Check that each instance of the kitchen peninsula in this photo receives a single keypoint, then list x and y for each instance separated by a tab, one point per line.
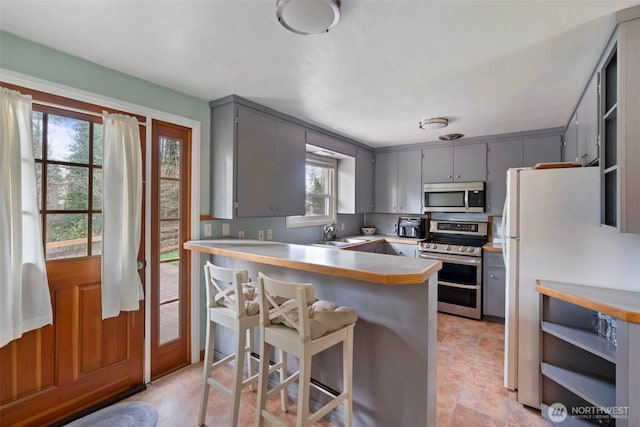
394	374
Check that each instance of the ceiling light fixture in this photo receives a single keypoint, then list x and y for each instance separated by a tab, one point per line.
308	16
450	136
433	123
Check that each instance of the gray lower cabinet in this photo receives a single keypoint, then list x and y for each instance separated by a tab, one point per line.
398	188
493	285
462	163
584	371
401	249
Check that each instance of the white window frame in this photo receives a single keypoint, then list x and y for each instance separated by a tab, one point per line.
308	221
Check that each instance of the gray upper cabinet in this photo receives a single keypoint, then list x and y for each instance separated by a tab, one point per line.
271	166
501	156
437	164
329	143
256	133
397	182
587	129
461	163
386	182
620	126
543	149
257	163
571	140
290	161
409	181
364	180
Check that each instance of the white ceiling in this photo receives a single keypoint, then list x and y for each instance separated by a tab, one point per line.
491	67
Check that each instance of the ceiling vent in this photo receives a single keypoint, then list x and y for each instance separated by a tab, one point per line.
450	136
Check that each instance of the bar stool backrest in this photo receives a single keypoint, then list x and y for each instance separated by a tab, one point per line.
286	303
224	287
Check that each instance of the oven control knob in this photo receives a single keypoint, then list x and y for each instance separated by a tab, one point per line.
470	249
448	247
462	249
434	246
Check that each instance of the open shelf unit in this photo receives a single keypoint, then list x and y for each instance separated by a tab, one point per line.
585	372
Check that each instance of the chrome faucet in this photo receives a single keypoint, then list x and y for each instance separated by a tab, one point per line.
329	232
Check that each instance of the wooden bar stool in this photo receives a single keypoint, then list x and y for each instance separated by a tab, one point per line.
232	304
290	320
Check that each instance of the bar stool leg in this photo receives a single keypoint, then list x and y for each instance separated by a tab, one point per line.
304	381
347	377
237	376
208	361
283	375
263	381
250	341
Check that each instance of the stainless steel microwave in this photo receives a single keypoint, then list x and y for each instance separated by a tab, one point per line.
455	197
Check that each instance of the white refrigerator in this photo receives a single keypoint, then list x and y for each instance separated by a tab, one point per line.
551	231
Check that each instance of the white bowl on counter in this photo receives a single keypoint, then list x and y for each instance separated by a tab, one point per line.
368	231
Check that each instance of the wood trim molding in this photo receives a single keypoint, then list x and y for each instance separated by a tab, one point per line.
621	304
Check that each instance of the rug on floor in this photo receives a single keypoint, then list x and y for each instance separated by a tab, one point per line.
128	414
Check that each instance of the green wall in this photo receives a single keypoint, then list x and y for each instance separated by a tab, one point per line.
36	60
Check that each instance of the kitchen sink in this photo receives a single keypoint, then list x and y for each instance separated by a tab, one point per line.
339	242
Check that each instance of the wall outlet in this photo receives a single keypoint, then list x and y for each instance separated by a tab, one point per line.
208	230
225	229
269	234
241	234
260	234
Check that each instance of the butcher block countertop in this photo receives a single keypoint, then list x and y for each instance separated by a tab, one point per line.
492	247
368	267
624	305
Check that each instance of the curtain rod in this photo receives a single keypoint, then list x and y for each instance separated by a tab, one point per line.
75	110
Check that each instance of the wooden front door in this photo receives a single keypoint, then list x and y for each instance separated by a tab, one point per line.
169	262
81	360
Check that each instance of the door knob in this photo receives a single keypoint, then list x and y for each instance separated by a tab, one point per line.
141	265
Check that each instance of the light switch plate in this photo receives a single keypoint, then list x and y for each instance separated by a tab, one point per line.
260	234
225	229
208	230
241	234
269	234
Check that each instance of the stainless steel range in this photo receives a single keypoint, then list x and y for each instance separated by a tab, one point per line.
458	244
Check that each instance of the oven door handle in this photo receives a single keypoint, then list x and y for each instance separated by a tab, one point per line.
453	259
458	285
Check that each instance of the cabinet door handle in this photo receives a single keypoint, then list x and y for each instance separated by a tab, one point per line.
457	176
492	276
448	176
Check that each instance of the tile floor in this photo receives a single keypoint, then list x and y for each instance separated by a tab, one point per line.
470	391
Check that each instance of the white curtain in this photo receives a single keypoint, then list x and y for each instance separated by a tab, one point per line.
25	302
122	215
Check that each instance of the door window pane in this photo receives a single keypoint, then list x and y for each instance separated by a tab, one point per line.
66	235
39	183
97	189
67	139
67	187
169	238
169	199
96	234
36	134
97	143
169	322
169	158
